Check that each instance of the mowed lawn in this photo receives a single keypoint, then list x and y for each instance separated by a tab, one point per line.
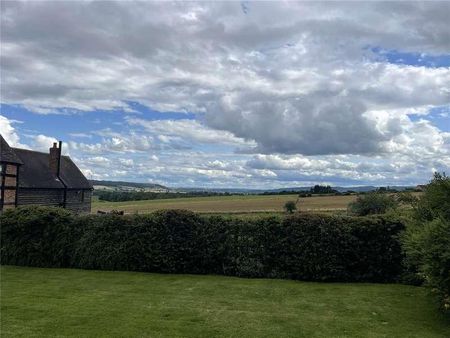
61	302
230	204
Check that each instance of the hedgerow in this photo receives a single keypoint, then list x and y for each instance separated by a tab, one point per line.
37	236
300	246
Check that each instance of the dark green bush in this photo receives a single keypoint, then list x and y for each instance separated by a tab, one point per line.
429	249
303	246
336	248
426	241
372	203
435	201
378	255
164	241
252	247
290	207
37	236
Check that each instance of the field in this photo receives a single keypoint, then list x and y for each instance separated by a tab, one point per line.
59	302
230	204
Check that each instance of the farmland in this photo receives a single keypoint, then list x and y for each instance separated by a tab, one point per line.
76	303
230	204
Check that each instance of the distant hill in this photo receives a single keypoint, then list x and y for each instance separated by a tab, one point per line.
299	189
364	188
152	187
128	186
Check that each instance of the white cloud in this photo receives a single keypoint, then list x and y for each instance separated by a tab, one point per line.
187	130
80	135
255	77
43	143
118	143
98	161
9	133
280	80
126	162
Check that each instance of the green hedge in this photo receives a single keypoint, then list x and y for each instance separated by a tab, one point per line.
426	242
36	236
301	246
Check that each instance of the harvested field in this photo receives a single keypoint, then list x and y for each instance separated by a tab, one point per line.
230	204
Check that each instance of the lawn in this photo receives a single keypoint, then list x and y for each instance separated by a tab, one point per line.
59	302
230	204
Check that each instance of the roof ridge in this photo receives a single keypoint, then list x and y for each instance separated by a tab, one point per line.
7	154
34	151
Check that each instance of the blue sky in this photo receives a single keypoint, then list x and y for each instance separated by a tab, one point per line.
412	59
265	95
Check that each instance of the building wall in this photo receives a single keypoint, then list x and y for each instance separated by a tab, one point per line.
11	169
79	201
8	185
45	197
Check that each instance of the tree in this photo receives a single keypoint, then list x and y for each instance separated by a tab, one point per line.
435	201
406	198
322	189
426	242
290	206
372	203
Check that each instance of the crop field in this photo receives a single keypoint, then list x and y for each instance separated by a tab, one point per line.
230	204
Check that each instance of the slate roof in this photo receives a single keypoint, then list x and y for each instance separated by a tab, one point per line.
71	175
7	154
35	172
34	169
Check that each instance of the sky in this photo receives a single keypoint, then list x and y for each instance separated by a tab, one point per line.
231	94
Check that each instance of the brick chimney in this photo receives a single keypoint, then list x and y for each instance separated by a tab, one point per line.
55	158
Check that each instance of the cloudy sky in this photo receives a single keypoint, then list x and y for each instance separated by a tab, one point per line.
232	94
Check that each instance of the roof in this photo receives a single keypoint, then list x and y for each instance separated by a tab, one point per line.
35	172
7	154
71	175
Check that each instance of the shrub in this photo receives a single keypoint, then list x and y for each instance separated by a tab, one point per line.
37	236
336	248
378	254
301	246
253	247
164	241
429	249
290	207
435	201
435	262
372	203
426	242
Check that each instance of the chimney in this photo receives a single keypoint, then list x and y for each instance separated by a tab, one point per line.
55	158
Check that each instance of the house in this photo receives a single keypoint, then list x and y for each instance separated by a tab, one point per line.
34	178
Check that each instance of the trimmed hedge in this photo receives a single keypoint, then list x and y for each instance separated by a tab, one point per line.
301	246
37	236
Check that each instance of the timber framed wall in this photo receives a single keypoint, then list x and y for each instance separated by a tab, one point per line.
9	176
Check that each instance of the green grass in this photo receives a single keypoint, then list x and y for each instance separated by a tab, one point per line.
59	302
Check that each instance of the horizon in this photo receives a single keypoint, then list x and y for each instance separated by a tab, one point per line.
232	95
262	189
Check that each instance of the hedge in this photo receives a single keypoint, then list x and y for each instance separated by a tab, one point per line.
301	246
37	236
